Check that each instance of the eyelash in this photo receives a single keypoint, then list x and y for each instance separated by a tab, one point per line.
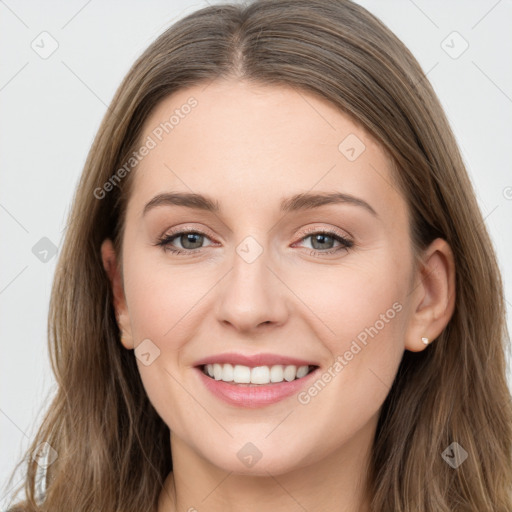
166	240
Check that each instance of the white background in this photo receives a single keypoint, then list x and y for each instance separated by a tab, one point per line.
51	109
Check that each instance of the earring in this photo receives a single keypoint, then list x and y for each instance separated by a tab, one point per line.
425	341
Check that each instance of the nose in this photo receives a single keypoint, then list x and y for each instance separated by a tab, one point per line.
251	295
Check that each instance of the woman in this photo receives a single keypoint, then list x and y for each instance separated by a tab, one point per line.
210	353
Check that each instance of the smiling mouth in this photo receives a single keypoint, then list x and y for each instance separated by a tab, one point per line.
257	375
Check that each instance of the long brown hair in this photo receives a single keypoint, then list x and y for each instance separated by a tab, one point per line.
113	448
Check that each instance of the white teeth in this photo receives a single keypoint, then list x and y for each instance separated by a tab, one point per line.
242	374
302	371
217	371
276	373
227	373
256	375
290	372
260	375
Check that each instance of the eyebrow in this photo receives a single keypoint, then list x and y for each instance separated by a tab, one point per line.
298	202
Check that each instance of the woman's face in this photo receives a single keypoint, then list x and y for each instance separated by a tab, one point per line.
266	273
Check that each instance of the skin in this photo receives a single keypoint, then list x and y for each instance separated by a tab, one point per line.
249	146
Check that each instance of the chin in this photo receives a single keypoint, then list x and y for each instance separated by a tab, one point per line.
248	459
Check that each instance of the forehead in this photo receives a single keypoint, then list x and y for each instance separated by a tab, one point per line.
242	143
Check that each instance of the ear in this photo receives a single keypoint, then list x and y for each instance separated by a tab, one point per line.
112	267
433	295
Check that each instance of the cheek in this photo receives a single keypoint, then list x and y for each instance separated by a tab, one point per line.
360	317
163	299
364	313
166	303
346	299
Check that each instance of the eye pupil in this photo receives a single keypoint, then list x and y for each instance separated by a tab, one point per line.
189	237
320	238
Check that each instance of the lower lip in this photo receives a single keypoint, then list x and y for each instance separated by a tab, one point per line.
254	395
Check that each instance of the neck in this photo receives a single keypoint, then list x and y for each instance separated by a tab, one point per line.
335	482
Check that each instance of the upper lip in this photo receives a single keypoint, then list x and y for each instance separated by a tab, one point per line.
263	359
